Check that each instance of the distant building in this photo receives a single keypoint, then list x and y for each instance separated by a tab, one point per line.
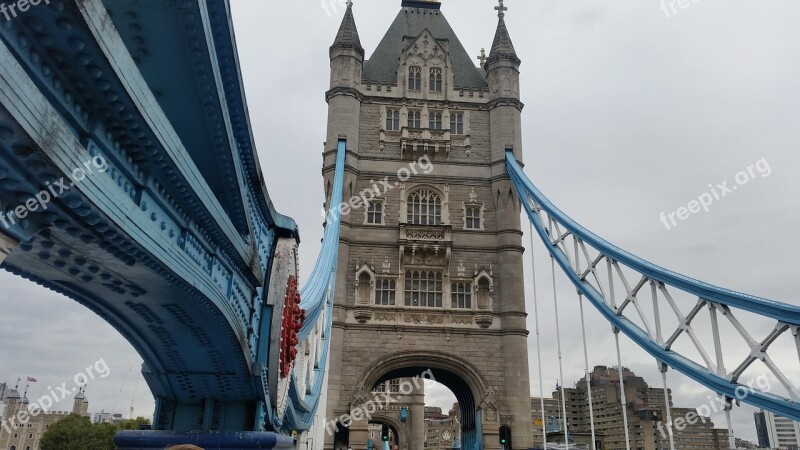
405	414
552	421
777	432
744	444
443	433
645	407
15	435
434	413
106	417
3	396
761	429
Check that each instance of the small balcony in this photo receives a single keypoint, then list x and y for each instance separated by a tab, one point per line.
429	246
423	141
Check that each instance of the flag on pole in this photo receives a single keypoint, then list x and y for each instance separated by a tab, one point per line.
32	380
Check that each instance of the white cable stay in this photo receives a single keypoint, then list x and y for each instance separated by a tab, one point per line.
538	339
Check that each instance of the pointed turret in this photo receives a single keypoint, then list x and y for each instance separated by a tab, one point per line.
502	47
502	67
347	63
347	37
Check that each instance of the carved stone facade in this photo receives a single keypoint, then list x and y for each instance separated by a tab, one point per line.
435	282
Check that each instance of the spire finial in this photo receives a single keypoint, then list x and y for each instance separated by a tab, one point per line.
482	57
501	10
349	3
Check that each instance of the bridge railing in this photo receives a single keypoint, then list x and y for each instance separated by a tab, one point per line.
660	310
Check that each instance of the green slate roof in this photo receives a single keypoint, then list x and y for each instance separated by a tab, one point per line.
411	22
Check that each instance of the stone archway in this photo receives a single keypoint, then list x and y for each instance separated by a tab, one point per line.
394	424
474	395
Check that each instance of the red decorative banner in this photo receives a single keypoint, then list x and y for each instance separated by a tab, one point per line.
293	319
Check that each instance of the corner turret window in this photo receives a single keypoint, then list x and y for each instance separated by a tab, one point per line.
424	288
457	123
435	121
436	80
414	119
415	78
424	208
392	120
461	295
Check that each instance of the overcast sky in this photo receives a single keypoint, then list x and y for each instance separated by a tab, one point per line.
629	113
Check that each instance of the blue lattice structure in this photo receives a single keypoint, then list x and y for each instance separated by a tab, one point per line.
637	298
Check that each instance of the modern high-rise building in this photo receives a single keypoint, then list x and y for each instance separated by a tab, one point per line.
777	432
431	246
645	407
107	417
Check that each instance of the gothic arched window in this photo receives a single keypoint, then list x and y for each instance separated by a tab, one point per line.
483	292
435	121
414	119
415	78
435	81
392	120
424	208
457	123
364	292
424	288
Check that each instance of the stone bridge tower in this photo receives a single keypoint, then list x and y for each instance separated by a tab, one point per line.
430	268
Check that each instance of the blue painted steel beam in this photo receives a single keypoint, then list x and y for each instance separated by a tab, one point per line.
159	440
318	295
783	312
776	310
146	244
